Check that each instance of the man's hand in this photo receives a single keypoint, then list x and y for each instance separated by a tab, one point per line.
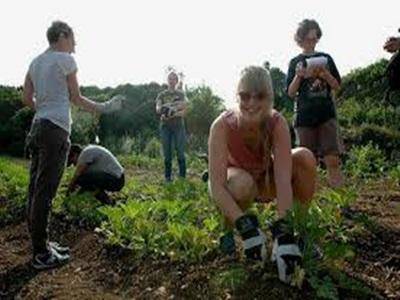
392	44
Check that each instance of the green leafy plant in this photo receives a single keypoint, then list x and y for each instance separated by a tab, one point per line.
366	161
179	224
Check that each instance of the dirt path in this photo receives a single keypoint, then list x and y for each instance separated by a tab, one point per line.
84	278
378	246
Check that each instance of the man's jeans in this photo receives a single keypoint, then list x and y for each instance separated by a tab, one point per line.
173	135
48	145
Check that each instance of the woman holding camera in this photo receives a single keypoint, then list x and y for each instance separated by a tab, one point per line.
311	79
171	106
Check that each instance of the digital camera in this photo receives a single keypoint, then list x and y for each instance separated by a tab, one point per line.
167	111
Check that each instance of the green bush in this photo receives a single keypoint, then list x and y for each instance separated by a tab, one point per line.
386	139
366	161
13	189
153	148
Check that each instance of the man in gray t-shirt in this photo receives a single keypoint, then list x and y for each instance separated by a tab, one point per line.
97	170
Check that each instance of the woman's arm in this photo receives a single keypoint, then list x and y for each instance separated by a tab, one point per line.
218	165
294	85
27	95
282	166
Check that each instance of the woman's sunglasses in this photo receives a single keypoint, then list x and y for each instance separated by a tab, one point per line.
246	96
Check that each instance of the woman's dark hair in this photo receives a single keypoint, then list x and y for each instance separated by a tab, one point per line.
304	28
57	29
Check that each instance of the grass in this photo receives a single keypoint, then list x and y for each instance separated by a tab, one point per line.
13	188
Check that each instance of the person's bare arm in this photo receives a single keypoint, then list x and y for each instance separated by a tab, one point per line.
27	95
80	169
282	166
218	165
79	100
295	84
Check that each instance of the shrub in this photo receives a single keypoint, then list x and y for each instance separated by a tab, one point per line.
366	161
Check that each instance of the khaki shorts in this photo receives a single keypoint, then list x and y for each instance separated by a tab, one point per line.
321	140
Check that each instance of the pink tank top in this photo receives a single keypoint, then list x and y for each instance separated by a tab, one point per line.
240	156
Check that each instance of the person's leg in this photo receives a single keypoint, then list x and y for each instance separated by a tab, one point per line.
97	183
335	177
331	148
113	183
242	188
32	174
180	140
304	174
166	141
304	177
53	146
90	181
307	137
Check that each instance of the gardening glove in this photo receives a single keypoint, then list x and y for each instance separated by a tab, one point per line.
254	240
227	243
112	105
285	251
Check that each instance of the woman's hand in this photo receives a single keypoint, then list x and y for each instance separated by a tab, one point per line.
326	75
300	70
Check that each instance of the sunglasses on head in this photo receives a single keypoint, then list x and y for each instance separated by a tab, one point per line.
246	96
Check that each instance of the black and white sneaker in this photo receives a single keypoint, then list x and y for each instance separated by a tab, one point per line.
49	260
63	250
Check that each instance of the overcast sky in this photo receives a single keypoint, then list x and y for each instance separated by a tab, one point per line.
209	40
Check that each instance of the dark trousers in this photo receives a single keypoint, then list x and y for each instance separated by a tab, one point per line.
173	136
48	145
101	181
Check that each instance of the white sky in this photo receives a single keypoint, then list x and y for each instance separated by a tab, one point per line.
209	40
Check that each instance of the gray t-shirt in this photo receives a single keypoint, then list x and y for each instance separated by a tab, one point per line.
49	73
100	159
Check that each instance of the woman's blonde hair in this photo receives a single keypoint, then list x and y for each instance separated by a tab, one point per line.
257	79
